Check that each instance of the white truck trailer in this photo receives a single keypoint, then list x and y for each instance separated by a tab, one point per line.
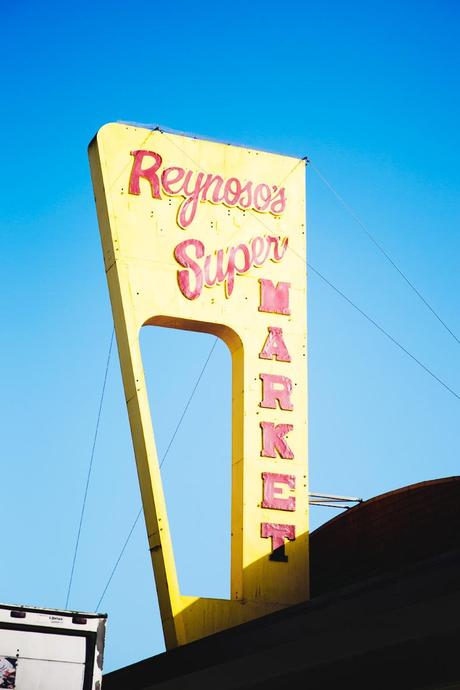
45	649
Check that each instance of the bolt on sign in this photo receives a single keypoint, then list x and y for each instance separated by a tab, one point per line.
209	237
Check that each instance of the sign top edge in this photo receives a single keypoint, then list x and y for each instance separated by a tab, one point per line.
198	137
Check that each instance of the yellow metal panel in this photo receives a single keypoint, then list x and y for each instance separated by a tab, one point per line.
230	205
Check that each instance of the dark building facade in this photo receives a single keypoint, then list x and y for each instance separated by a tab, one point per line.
384	612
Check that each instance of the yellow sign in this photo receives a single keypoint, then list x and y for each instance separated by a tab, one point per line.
210	237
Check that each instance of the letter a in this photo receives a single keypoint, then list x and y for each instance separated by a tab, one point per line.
275	346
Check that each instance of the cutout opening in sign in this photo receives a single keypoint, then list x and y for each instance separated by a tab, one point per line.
189	383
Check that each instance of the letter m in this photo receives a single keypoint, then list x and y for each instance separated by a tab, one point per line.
274	300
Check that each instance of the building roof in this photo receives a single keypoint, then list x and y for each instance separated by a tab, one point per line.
385	610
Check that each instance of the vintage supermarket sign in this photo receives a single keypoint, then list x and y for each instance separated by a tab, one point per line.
210	237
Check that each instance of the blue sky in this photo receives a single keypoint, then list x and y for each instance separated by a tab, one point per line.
370	92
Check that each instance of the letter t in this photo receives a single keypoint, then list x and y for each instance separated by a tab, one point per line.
278	534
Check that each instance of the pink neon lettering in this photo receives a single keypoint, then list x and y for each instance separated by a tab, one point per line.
209	280
217	181
228	275
149	174
277	253
247	259
195	187
183	277
274	300
279	202
232	191
275	346
272	491
222	267
262	197
245	200
276	389
278	533
273	439
260	250
187	209
171	176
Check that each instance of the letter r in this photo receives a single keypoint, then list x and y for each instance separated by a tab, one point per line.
149	174
275	389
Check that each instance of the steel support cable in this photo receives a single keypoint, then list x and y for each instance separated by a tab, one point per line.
165	455
90	467
382	250
354	215
366	316
120	556
358	220
312	502
355	306
382	330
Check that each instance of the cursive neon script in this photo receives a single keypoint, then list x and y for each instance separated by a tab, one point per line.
196	187
221	267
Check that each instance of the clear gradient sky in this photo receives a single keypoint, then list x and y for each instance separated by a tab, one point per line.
370	92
